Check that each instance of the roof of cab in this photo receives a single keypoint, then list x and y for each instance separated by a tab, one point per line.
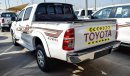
127	4
50	3
55	3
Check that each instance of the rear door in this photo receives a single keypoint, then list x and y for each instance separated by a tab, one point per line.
122	14
93	33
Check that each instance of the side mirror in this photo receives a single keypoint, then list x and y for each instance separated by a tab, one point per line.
18	19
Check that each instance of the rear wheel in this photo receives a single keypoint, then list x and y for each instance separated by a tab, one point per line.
2	29
9	27
42	60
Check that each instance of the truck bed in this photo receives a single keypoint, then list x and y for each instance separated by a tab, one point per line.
76	21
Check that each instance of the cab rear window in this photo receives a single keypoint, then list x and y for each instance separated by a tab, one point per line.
59	10
54	13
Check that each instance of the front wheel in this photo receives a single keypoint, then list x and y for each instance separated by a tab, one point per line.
42	60
14	39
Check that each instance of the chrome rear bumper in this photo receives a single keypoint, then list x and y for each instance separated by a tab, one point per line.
92	53
125	44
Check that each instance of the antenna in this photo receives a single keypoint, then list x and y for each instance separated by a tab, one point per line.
86	8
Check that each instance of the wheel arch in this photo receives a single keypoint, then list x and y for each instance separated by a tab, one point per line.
38	38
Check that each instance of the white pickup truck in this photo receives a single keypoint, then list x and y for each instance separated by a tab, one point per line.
53	31
6	19
81	13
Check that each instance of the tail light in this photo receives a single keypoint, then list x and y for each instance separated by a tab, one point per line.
68	41
3	20
117	26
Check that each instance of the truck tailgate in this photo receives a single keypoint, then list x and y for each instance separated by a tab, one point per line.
92	33
6	20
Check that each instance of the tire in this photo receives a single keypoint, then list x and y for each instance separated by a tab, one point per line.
14	39
9	27
2	29
42	60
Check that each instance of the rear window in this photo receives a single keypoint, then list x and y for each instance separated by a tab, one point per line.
59	10
51	10
67	10
8	15
83	13
54	13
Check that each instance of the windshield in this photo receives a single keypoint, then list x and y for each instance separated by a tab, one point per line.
76	13
56	12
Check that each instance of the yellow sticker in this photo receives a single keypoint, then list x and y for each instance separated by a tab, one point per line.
97	41
99	28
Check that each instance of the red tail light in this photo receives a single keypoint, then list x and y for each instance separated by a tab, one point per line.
68	41
3	20
117	26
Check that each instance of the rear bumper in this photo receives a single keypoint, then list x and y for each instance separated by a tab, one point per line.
125	44
92	53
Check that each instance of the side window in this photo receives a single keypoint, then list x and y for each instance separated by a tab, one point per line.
104	13
83	13
27	13
20	16
122	12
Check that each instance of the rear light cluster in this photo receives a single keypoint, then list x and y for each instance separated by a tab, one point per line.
68	41
3	20
117	26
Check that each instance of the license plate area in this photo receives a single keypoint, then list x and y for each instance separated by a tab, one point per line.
102	53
